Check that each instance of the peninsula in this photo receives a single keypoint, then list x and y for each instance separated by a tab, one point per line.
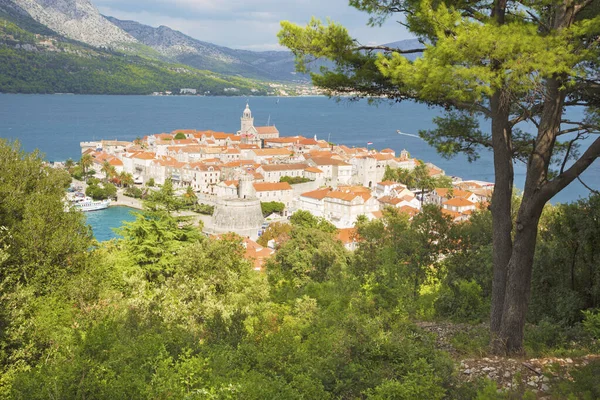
235	172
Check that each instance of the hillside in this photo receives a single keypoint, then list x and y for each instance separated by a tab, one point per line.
76	19
40	61
176	46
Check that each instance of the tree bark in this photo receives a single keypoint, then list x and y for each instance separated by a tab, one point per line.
518	286
501	206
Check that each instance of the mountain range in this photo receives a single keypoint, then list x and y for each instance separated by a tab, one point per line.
90	34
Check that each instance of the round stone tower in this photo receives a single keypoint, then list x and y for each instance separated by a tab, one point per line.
241	216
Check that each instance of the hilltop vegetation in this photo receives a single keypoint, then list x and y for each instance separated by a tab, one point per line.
168	313
46	63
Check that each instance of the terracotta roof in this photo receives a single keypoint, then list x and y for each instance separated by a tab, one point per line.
453	214
263	130
408	210
387	151
347	235
309	142
443	192
143	155
390	200
313	170
248	146
383	157
345	196
272	152
434	171
115	162
377	214
231	183
328	161
458	202
389	183
318	194
269	187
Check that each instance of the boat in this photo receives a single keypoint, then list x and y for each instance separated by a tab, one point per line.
88	204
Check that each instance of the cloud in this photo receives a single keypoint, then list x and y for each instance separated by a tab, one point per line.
246	24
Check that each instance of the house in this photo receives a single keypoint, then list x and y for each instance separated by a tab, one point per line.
274	172
440	195
313	201
256	254
280	191
385	188
262	155
226	189
343	207
460	205
314	174
336	172
349	237
204	176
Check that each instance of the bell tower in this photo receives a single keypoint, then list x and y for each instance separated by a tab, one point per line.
247	121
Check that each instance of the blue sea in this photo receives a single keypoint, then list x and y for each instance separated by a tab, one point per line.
55	124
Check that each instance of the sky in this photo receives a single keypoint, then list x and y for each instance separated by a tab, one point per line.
248	24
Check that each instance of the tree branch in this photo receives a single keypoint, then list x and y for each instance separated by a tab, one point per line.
390	49
561	181
564	163
587	187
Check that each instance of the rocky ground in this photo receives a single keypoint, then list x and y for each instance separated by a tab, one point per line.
536	375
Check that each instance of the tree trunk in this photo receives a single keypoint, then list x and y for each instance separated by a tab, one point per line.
501	206
518	281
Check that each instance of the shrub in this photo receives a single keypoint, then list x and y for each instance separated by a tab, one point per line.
271	207
204	209
150	182
134	192
591	323
294	180
462	301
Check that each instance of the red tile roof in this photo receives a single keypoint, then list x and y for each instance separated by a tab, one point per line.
269	187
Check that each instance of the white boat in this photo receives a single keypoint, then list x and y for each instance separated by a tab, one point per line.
88	204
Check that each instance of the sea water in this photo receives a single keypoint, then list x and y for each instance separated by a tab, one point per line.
55	124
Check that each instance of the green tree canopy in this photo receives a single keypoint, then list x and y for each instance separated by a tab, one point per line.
521	65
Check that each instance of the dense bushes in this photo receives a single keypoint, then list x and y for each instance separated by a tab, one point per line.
101	191
166	312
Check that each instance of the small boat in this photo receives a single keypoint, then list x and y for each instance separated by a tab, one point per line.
88	204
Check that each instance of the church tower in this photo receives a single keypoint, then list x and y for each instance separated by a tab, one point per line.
247	121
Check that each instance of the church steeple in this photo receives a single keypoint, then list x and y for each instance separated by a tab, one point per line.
247	121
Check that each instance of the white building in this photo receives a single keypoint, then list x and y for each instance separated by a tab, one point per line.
280	191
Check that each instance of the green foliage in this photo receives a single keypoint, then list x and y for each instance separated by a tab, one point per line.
44	242
583	383
418	178
591	323
566	274
101	191
204	209
134	192
304	219
279	231
462	301
150	182
179	136
294	180
271	207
